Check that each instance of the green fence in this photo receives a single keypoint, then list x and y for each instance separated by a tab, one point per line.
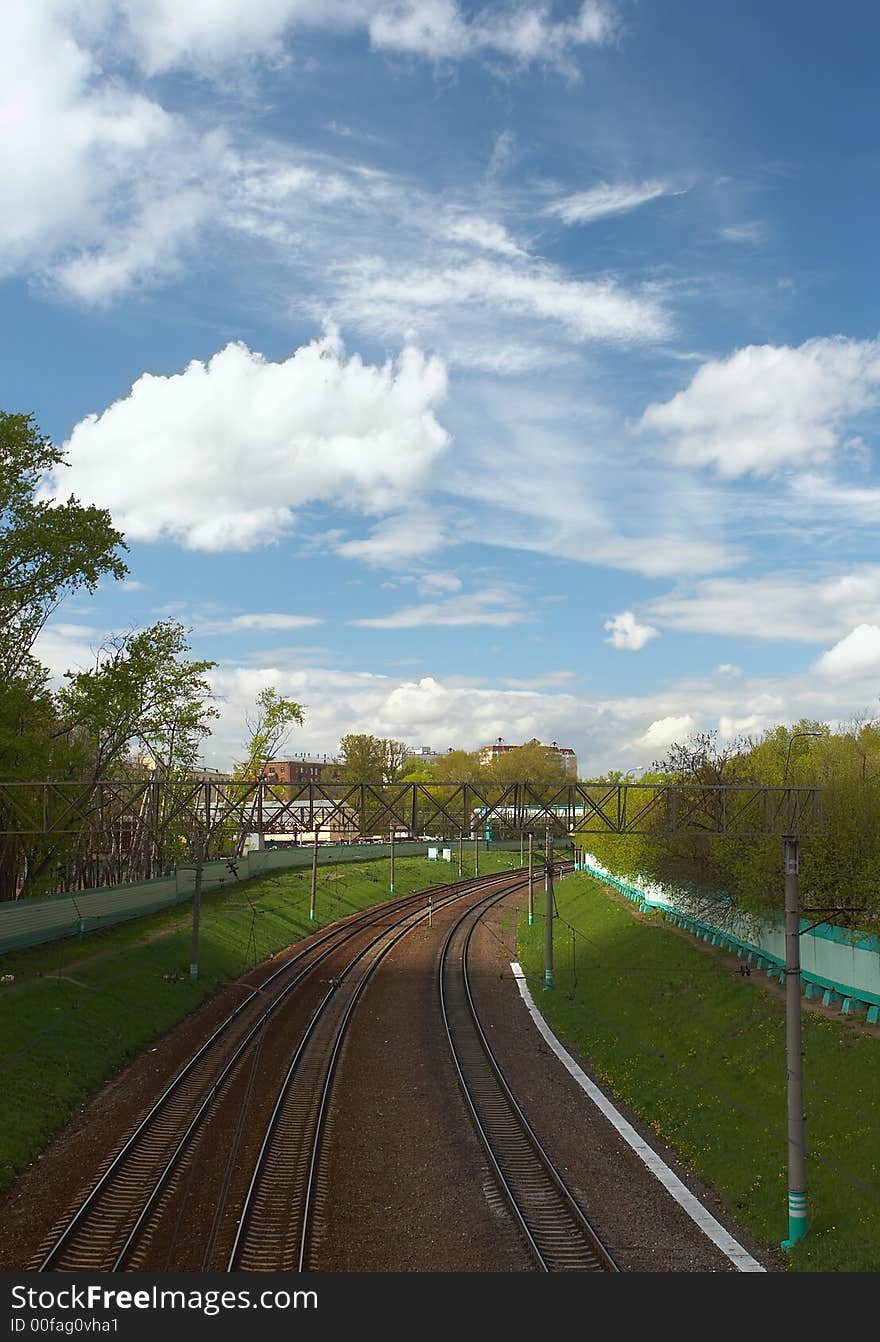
28	922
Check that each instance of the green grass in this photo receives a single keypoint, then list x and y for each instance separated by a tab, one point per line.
78	1010
699	1054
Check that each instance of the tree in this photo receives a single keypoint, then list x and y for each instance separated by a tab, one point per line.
371	759
47	549
458	766
361	759
532	763
141	711
269	726
142	695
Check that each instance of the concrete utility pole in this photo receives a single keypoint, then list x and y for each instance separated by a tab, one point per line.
392	859
460	849
314	894
199	854
797	1167
548	931
531	884
476	853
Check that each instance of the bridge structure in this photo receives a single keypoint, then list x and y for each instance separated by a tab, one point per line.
138	815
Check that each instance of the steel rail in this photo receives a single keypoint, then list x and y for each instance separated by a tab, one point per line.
554	1225
294	1134
325	944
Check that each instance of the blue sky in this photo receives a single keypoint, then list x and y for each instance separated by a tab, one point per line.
463	370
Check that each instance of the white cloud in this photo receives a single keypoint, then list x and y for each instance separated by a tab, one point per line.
667	731
431	583
115	169
410	535
165	34
769	407
485	234
858	654
729	670
753	233
438	29
219	456
237	624
62	647
786	606
392	300
626	633
494	606
606	733
583	207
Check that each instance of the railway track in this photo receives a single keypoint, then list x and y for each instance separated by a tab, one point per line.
276	1223
112	1227
558	1234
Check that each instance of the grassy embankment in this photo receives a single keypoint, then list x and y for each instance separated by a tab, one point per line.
698	1052
78	1010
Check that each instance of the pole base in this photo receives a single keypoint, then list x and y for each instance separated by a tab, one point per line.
797	1220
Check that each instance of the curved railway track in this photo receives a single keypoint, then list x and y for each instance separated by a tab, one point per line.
276	1223
558	1234
110	1227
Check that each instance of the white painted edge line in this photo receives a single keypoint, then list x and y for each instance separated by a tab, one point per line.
731	1248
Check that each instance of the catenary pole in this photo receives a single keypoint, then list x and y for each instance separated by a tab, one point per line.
797	1168
199	855
531	883
314	893
548	930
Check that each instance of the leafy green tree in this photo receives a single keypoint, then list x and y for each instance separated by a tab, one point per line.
269	727
142	697
532	763
48	549
459	766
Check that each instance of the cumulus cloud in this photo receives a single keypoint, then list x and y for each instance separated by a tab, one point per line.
667	731
220	456
605	732
116	184
858	654
769	407
626	632
584	207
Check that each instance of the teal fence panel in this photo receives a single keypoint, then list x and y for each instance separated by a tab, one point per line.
30	922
